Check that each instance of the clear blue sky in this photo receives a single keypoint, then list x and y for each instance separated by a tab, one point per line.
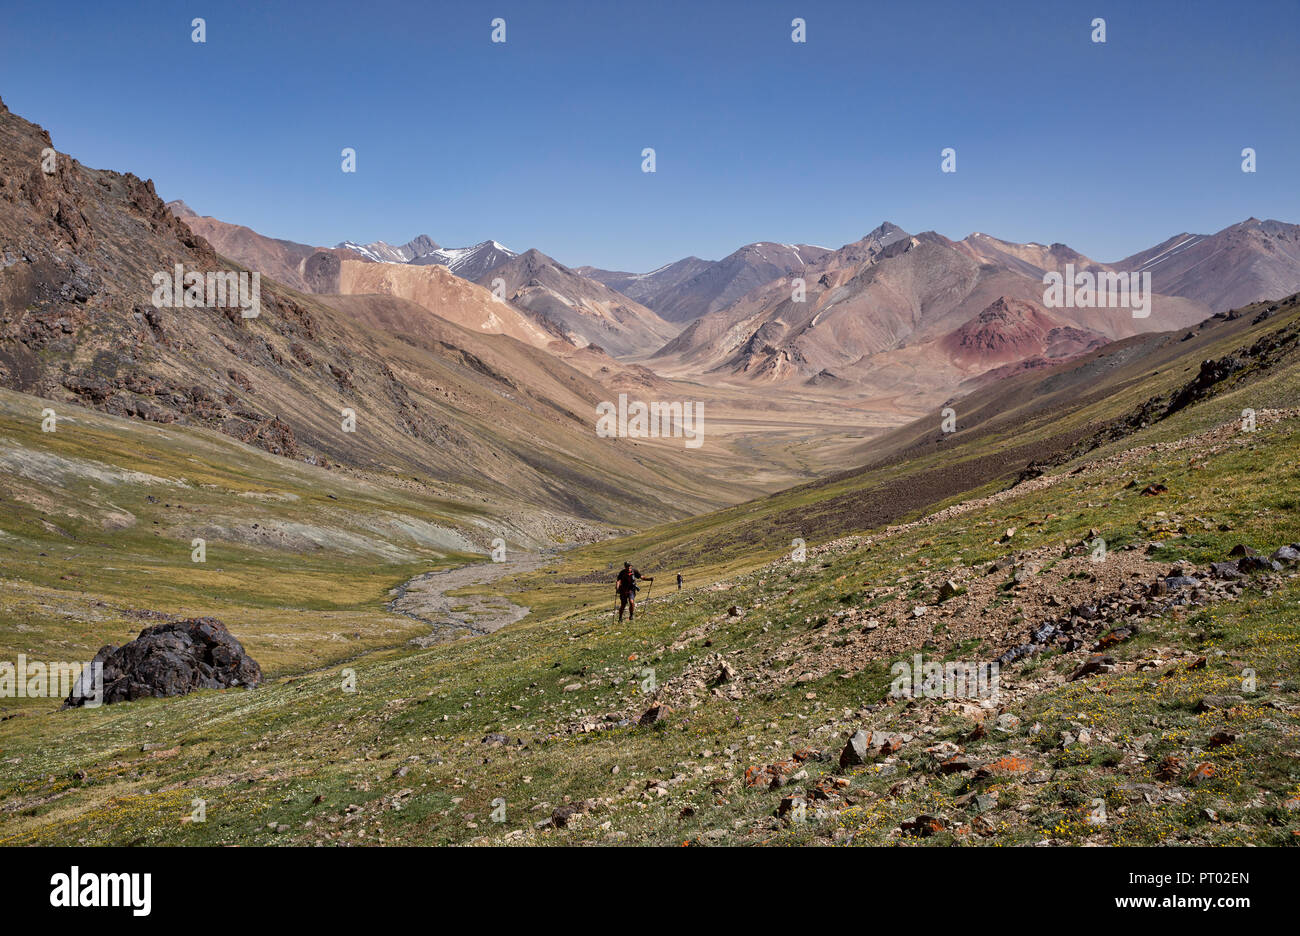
536	143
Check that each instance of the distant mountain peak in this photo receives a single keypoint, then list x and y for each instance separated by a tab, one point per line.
421	244
384	252
886	228
469	263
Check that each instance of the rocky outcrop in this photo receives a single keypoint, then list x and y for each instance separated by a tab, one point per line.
170	659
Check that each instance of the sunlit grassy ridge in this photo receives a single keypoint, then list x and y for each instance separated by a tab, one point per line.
403	759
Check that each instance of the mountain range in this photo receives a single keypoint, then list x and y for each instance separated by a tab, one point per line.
895	312
470	412
889	313
412	251
894	321
471	263
311	451
690	288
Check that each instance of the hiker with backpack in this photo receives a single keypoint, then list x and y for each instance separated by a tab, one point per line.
626	588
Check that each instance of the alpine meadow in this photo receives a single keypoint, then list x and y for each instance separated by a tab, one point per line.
318	531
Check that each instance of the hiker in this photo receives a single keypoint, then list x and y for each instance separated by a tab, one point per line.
626	588
679	581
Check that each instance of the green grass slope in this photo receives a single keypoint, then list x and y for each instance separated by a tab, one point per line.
530	735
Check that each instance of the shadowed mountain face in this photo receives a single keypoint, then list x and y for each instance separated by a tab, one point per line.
470	263
645	288
82	323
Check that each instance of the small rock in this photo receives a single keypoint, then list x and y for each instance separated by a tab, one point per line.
1097	663
563	815
1221	739
958	763
857	750
1024	573
1212	703
654	714
1288	554
1007	722
1169	768
1249	564
923	826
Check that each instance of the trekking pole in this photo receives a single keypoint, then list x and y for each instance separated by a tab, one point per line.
648	590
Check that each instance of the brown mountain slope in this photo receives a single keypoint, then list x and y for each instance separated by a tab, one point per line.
645	287
689	288
301	266
582	310
373	269
443	293
1012	331
887	313
546	301
1248	262
1032	260
502	424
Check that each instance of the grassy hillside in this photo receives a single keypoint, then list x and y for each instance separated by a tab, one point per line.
98	518
764	666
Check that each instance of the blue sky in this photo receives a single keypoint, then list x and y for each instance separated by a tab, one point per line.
537	142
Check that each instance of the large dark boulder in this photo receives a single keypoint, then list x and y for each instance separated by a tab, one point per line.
171	659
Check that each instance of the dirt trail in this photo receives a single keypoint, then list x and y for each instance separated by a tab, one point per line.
425	598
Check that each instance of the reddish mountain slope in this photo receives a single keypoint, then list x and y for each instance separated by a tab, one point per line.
1015	330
